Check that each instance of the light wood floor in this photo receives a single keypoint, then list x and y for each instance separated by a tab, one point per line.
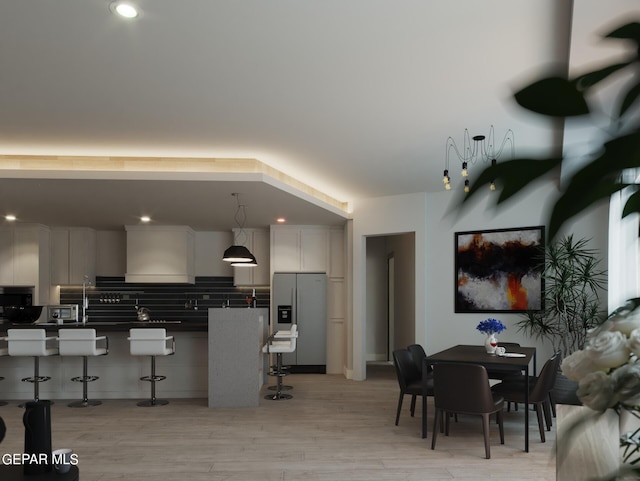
332	430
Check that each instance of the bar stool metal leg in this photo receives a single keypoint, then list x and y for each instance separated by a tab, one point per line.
36	379
152	379
84	379
284	387
278	395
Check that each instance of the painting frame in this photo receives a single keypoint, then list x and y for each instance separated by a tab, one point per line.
498	270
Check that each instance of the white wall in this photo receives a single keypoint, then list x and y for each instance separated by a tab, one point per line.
403	248
434	220
384	216
443	327
376	298
209	249
111	253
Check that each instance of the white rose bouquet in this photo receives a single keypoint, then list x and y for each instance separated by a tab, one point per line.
607	371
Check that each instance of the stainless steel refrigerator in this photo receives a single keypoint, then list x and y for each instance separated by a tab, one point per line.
301	298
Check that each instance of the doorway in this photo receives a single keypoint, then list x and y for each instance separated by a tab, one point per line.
389	295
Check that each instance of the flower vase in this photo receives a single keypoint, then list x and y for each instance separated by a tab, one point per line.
490	344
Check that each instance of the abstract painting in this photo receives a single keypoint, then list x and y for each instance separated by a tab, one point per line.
497	270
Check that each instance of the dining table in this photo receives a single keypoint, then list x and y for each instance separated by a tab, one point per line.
519	357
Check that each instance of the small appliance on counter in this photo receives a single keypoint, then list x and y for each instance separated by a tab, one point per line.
62	313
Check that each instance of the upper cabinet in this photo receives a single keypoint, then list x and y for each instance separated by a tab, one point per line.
257	241
307	249
73	255
24	259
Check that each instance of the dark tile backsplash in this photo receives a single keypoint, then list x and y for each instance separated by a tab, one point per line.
111	299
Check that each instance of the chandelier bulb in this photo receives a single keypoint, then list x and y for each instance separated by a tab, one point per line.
466	186
465	172
445	178
447	186
492	186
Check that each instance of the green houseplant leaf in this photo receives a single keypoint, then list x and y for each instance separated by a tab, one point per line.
553	96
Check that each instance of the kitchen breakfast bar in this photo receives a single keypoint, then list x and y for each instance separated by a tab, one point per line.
219	359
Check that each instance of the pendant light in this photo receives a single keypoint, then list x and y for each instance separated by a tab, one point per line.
237	254
478	148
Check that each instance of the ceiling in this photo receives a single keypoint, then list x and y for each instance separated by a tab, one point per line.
353	98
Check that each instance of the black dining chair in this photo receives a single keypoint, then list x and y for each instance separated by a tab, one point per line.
419	356
464	388
412	381
513	390
501	373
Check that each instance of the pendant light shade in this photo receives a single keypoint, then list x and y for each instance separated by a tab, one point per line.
237	254
251	263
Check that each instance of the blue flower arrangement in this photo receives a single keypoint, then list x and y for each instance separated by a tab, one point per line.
491	326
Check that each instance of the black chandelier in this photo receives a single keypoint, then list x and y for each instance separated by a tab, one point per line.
475	149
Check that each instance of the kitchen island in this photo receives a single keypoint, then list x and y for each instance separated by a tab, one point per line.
119	371
236	362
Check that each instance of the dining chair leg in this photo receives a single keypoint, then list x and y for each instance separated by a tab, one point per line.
436	417
447	420
500	417
553	404
485	431
539	414
399	407
413	404
546	406
424	417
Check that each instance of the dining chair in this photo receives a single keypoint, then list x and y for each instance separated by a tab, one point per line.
418	355
412	381
539	392
464	388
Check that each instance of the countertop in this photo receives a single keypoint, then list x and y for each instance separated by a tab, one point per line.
113	326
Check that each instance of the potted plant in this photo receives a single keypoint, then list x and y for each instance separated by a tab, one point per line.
571	305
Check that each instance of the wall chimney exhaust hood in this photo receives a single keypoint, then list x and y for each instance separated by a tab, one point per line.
160	254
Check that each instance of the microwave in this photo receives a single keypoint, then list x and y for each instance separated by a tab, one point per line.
63	313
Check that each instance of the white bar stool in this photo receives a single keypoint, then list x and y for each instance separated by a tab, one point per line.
82	342
283	335
279	344
151	342
4	351
32	342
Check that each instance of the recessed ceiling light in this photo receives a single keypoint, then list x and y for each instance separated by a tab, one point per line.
281	220
145	218
125	9
10	217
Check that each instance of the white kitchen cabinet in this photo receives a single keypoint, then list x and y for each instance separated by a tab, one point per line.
257	241
25	259
285	249
73	255
299	248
